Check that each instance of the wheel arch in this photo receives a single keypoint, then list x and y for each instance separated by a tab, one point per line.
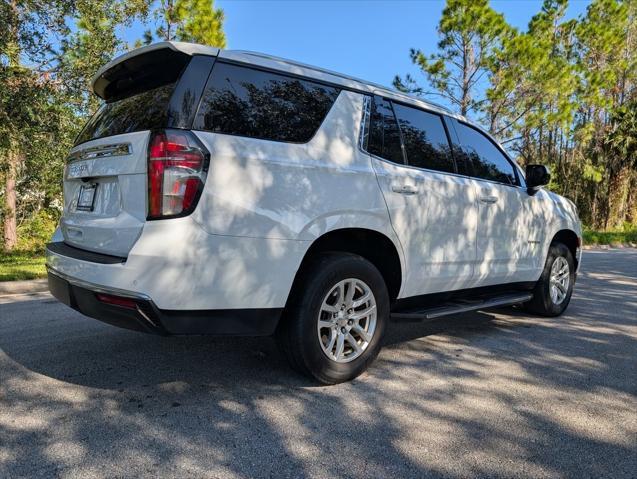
372	245
570	239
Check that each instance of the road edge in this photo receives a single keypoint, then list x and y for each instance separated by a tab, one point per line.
24	287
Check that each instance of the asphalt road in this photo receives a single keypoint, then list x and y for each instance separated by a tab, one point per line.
497	394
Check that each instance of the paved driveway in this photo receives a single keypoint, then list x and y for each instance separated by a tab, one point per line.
497	394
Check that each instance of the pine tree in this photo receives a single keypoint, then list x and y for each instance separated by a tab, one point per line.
196	21
469	30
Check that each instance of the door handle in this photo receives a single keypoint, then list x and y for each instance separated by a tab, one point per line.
404	189
488	199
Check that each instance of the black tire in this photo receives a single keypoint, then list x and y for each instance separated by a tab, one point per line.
297	333
542	303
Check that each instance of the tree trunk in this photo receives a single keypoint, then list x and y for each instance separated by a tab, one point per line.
10	230
618	186
631	208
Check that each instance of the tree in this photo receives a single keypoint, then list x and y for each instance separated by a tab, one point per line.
44	93
532	82
196	21
93	44
24	89
562	93
607	61
469	31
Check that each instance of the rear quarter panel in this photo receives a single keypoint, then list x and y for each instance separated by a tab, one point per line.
266	189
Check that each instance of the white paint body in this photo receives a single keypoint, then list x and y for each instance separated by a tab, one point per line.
265	203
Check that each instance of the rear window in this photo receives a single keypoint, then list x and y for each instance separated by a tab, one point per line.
143	111
258	104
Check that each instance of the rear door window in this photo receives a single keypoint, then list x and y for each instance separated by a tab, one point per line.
425	139
248	102
485	158
384	135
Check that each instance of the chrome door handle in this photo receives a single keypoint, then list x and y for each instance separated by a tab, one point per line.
404	189
488	199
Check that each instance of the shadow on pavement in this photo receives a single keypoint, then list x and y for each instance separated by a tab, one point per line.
495	394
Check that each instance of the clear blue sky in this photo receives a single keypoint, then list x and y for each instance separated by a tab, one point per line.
366	39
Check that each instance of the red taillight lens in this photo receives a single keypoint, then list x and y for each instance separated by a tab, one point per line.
177	168
117	301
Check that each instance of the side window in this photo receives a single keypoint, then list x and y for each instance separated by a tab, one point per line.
425	139
384	136
487	160
247	102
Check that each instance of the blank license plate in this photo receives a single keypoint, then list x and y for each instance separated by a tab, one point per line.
87	197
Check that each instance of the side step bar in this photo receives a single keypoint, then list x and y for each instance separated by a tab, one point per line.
460	306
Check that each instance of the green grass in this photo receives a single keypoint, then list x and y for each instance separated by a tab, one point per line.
20	265
610	237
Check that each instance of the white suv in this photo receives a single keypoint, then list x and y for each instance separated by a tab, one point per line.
228	192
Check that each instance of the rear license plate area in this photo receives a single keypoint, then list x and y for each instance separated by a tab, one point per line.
86	197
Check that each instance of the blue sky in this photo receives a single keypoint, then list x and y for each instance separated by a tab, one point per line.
366	39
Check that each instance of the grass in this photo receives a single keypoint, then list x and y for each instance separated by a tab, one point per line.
610	237
19	265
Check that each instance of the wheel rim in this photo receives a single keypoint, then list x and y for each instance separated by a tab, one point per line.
560	278
347	320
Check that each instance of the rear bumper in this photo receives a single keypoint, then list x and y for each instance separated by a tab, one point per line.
145	316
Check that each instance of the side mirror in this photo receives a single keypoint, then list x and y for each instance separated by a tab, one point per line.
536	176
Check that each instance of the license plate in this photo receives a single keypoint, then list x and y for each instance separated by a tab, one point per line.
87	197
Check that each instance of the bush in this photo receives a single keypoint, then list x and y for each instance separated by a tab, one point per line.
36	232
626	234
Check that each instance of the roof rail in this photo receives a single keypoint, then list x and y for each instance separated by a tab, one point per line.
305	65
343	76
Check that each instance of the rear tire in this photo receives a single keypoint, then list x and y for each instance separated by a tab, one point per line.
335	319
553	290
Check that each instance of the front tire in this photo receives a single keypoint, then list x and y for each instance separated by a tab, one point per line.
335	319
553	291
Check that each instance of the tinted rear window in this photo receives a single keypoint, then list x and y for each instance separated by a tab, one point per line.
143	111
247	102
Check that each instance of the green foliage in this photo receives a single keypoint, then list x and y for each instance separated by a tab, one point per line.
621	141
622	236
200	22
469	32
562	93
196	21
93	44
45	73
37	230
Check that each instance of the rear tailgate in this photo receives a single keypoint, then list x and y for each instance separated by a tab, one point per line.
111	175
105	178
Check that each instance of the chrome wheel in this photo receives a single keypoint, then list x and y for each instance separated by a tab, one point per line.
347	320
559	280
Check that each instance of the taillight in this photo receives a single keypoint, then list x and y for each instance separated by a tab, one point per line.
117	300
177	168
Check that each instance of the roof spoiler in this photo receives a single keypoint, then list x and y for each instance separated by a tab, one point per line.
154	64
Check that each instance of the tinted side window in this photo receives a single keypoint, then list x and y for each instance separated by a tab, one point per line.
247	102
487	160
384	136
425	139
